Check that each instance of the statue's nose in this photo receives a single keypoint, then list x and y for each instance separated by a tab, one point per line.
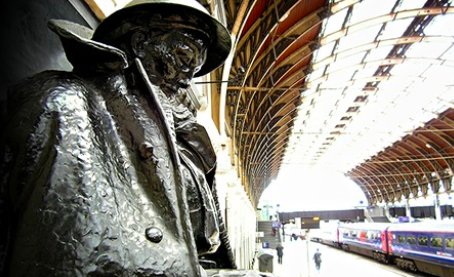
185	55
187	58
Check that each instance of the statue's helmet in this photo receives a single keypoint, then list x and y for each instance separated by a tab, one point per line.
171	13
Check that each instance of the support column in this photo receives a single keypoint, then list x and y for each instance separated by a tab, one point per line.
407	208
438	215
387	210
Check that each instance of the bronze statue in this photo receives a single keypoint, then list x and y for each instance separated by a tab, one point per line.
105	172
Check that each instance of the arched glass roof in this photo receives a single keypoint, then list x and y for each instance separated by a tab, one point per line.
358	87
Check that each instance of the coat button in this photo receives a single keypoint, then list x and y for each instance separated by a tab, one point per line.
153	234
146	150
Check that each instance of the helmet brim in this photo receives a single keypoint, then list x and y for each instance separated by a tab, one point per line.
220	45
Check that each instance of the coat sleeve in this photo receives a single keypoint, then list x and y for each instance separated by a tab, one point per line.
28	150
30	135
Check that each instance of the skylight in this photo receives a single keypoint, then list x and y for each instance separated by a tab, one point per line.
402	65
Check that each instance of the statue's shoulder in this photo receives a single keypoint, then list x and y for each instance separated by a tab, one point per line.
45	78
43	84
43	93
32	98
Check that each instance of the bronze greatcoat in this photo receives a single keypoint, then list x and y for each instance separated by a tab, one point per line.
99	181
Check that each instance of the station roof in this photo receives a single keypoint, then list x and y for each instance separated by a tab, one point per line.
359	87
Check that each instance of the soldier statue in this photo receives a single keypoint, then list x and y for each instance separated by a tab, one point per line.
105	171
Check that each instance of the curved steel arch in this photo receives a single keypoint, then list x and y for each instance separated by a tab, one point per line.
304	41
250	110
408	172
428	11
381	179
286	118
382	43
414	144
367	185
387	168
258	106
381	171
263	102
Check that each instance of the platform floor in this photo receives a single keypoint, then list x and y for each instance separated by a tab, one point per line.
335	262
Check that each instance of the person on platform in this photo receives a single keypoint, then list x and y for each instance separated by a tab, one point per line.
280	252
317	259
105	170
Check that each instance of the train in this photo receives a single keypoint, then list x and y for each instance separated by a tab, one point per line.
426	247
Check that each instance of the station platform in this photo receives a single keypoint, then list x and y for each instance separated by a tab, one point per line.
335	262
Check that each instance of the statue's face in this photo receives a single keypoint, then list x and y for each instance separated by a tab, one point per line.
175	56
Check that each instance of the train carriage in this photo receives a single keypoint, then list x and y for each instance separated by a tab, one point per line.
369	239
426	247
423	246
328	235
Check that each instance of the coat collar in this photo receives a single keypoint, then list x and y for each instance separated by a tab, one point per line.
82	51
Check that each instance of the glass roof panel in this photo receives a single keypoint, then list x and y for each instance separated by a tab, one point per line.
440	74
396	84
449	54
409	69
436	106
441	26
366	10
396	93
446	96
338	77
358	38
346	63
336	22
324	51
410	5
316	74
378	53
427	49
395	29
365	72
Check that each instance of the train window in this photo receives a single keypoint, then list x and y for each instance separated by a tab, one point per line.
411	240
423	241
376	235
401	239
436	242
450	243
362	235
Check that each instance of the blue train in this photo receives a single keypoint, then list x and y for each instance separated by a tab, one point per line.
426	247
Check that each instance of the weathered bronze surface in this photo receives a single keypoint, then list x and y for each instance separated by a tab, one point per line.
104	171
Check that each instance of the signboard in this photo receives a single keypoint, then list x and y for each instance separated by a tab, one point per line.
310	222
